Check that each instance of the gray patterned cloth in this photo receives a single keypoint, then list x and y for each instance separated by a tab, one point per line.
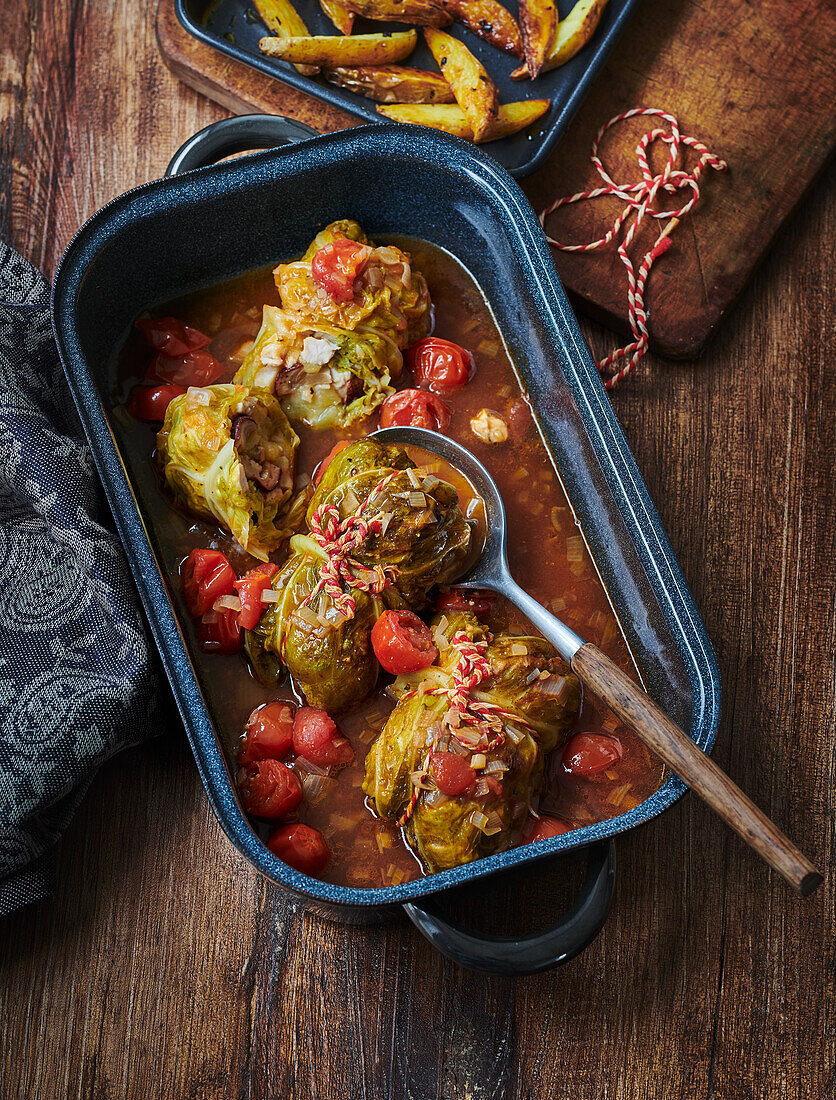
78	681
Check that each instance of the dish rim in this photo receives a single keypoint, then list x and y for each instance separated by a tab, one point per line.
612	451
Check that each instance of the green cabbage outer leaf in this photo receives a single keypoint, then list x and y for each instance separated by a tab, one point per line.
371	356
333	663
403	311
428	545
202	467
440	829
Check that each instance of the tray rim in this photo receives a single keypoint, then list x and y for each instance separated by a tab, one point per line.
354	104
623	477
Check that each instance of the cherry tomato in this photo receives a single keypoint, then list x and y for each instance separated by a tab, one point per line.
219	632
301	847
416	409
204	576
329	458
151	402
171	336
477	601
194	368
440	364
316	737
335	267
544	827
402	643
269	789
452	773
250	588
268	734
590	754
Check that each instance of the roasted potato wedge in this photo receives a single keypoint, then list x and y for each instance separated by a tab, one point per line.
425	13
489	20
392	84
572	35
336	51
450	118
280	17
538	23
341	16
474	90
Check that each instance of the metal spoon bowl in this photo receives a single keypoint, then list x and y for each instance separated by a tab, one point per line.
606	680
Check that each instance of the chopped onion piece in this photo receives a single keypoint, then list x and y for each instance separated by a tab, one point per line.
351	502
518	650
414	480
315	787
480	787
270	595
514	734
302	764
308	616
429	483
496	767
417	500
228	603
558	686
493	825
478	819
478	761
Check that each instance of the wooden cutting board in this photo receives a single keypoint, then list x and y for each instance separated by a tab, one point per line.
756	83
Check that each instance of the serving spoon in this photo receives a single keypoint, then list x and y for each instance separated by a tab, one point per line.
606	680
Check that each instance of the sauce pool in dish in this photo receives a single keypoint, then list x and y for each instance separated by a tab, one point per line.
587	780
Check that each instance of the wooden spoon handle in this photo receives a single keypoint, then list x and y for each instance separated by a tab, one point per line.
690	763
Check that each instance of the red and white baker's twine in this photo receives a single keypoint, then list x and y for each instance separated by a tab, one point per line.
339	538
472	669
639	198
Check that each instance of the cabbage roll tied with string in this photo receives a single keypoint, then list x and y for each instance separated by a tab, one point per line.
347	280
228	453
460	762
324	375
380	534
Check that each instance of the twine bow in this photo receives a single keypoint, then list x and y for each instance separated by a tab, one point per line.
471	669
639	198
340	538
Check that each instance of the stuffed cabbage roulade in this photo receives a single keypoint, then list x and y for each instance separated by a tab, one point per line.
460	761
380	535
348	281
323	375
228	454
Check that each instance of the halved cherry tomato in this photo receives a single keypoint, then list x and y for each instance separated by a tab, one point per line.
269	789
543	827
193	368
316	737
335	267
416	409
171	336
219	632
452	773
329	458
250	588
440	364
268	734
151	402
478	601
590	754
204	576
402	643
301	847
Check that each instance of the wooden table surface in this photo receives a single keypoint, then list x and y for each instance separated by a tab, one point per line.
164	967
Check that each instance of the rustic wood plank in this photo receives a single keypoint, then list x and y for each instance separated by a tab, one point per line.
164	966
755	83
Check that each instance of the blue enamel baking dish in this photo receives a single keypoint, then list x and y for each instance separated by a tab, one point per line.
211	224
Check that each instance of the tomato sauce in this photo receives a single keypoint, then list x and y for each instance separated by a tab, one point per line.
547	554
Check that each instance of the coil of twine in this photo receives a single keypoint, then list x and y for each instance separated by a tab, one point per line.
639	199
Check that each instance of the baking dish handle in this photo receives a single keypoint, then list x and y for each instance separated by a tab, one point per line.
529	954
237	135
